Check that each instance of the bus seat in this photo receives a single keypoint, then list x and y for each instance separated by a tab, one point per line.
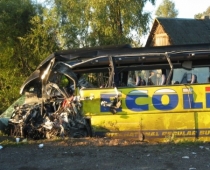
149	82
194	79
184	79
143	82
163	79
138	80
131	82
176	82
189	78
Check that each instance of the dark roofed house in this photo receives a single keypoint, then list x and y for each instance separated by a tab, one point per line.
179	31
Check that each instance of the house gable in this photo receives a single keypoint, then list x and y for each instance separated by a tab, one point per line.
160	37
178	31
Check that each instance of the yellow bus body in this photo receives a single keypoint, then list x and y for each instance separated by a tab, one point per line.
159	113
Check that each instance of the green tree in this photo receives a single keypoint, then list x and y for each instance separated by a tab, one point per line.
42	39
102	22
205	13
167	9
14	16
28	35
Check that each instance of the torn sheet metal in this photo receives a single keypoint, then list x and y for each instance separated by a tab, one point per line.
53	117
34	76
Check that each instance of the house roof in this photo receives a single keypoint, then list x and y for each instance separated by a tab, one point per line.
183	31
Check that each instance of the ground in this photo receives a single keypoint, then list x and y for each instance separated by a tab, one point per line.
102	154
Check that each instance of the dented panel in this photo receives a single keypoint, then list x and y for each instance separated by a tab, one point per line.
157	112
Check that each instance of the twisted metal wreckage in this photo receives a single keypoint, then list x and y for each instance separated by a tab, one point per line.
51	107
52	110
58	113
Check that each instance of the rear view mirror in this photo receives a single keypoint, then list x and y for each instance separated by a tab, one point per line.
187	65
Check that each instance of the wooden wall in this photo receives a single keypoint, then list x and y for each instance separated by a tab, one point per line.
160	38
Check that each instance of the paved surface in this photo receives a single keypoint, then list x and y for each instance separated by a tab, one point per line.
104	154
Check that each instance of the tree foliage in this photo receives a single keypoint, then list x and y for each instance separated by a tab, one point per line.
205	13
42	39
14	17
26	38
102	22
167	9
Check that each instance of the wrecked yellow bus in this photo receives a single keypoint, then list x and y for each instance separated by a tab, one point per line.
148	93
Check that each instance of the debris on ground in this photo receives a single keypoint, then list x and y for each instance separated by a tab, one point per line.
185	157
41	145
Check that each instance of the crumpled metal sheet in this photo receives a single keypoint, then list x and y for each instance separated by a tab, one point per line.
58	114
58	118
33	76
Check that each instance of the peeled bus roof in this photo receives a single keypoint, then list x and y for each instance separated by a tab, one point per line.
124	50
98	57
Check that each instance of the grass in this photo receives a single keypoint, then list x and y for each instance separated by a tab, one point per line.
190	143
8	143
57	141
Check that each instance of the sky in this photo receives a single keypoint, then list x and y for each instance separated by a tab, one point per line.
186	8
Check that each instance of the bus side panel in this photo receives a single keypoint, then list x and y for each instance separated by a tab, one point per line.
160	113
153	126
202	123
